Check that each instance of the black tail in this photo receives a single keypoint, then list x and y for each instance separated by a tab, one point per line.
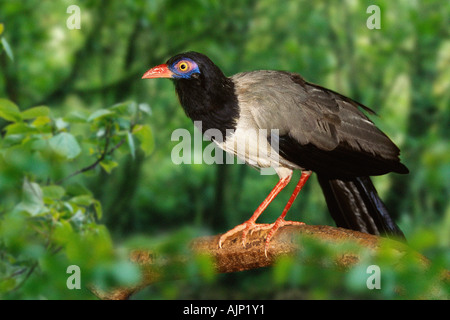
354	204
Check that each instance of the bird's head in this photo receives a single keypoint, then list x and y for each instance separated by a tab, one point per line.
204	92
186	66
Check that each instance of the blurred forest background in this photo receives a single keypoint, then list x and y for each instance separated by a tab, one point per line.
401	71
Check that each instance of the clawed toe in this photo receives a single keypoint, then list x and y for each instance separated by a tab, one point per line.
246	227
251	227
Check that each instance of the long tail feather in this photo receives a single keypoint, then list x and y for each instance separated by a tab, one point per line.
354	204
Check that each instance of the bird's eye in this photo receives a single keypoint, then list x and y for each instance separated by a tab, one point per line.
183	66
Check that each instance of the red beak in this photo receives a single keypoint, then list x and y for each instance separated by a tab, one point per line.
161	71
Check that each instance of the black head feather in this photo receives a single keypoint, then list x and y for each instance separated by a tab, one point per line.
207	96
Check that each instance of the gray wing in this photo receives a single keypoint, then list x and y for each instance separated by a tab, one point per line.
319	129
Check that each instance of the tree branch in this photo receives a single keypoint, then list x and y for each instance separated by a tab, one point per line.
233	257
92	166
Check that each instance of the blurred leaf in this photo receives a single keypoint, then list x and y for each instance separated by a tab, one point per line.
145	107
125	108
442	82
84	200
61	124
77	189
19	128
131	144
35	143
77	117
201	265
423	239
2	27
7	49
9	111
356	277
41	122
98	209
126	273
35	112
63	231
53	192
32	198
99	114
282	269
108	165
91	248
145	136
65	145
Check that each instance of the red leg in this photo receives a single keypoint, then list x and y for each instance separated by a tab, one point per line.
280	221
250	223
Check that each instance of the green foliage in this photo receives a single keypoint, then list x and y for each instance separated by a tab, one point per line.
50	220
173	258
403	275
5	44
314	273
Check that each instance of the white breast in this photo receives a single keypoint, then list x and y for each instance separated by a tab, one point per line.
253	147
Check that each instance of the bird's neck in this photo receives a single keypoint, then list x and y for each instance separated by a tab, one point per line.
214	103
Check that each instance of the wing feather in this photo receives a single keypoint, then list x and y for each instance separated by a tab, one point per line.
319	129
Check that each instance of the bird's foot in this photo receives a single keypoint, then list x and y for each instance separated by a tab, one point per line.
244	227
280	222
252	227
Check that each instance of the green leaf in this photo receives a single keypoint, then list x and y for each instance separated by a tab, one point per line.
126	273
63	232
77	116
32	198
145	107
101	113
65	145
98	209
108	165
53	192
37	143
60	124
145	136
2	27
19	128
9	111
11	140
77	189
125	108
84	200
40	111
131	144
41	122
7	49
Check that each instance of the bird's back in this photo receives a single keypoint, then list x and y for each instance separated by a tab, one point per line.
319	129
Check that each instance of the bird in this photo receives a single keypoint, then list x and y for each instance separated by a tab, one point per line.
287	123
